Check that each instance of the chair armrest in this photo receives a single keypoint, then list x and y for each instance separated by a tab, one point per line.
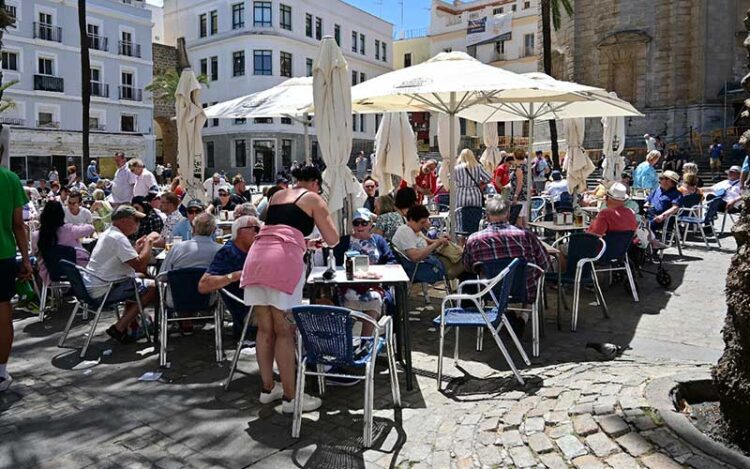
470	282
233	297
91	273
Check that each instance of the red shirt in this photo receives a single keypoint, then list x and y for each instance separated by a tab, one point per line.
425	181
613	219
503	172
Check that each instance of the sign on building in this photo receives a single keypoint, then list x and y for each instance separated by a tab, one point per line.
493	28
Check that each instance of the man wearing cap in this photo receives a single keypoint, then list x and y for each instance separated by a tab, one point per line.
282	182
665	201
730	191
226	267
212	185
114	258
616	217
184	228
240	193
123	182
223	202
144	179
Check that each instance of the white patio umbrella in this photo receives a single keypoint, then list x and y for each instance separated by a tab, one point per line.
577	165
190	120
448	83
447	148
396	151
563	100
290	98
613	145
491	156
333	122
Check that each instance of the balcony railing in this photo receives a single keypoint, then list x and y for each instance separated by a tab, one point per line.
131	93
49	83
98	43
11	10
47	32
11	121
99	89
129	49
48	124
97	127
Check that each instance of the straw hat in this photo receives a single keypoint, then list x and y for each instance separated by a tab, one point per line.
671	175
617	191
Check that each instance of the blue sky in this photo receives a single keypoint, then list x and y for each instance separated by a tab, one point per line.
416	12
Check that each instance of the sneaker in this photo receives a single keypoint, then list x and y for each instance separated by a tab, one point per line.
273	395
122	337
5	383
309	403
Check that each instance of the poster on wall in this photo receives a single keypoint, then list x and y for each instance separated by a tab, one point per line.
488	29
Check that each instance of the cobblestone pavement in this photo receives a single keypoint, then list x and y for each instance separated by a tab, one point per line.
574	411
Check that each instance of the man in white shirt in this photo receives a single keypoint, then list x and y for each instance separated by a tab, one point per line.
212	186
557	186
123	182
114	258
144	179
75	212
650	142
730	191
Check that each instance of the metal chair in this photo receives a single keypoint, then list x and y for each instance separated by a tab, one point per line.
519	294
538	205
584	250
423	272
615	257
58	279
232	301
493	318
182	286
690	218
84	299
327	337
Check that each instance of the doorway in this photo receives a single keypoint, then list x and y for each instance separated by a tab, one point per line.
265	151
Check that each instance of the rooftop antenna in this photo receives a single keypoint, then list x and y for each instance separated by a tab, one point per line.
401	2
379	3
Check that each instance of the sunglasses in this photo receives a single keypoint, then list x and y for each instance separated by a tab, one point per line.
194	211
370	187
256	228
360	223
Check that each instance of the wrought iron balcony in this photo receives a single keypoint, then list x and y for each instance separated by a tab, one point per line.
12	121
49	83
98	43
47	32
131	93
97	127
129	49
99	89
48	124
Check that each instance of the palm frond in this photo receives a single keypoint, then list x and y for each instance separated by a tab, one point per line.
7	104
555	9
164	85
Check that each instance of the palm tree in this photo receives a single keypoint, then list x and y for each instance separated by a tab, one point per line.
163	88
552	8
85	84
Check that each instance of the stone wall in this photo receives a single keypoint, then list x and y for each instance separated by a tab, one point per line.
165	58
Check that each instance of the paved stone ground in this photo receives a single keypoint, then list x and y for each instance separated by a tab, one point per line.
574	411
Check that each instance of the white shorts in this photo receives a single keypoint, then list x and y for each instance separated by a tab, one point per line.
256	295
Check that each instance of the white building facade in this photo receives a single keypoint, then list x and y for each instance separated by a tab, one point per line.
42	52
247	46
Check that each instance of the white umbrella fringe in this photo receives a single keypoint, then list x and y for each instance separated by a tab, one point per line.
577	164
395	151
491	156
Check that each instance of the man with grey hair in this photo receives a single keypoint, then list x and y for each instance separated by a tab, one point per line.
501	240
226	268
245	209
144	179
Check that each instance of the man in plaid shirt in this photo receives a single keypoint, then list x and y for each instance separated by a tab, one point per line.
501	240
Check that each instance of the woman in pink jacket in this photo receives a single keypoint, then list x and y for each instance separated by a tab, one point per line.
274	275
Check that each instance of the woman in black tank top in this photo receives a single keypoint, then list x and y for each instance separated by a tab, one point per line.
275	339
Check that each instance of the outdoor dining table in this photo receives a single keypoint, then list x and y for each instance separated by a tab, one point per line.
390	275
559	230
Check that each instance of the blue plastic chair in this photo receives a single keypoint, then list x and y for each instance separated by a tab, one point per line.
83	298
584	250
182	286
689	217
324	337
519	293
58	279
493	317
427	271
615	257
538	204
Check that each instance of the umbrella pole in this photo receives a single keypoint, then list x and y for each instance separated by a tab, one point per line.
528	167
306	125
451	164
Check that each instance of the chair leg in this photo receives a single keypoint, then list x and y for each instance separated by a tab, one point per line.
718	241
218	322
236	357
516	341
142	313
480	338
321	380
395	389
455	347
163	335
506	355
440	355
535	329
367	436
298	393
631	279
705	239
576	299
69	324
93	328
600	294
43	301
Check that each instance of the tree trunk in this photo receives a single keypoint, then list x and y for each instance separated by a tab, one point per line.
547	59
2	32
85	87
732	373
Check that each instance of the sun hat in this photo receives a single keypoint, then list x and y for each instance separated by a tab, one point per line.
617	191
734	169
362	214
195	203
126	211
670	175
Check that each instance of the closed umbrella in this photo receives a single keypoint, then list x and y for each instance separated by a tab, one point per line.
491	155
613	145
396	151
190	120
577	164
447	152
333	122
